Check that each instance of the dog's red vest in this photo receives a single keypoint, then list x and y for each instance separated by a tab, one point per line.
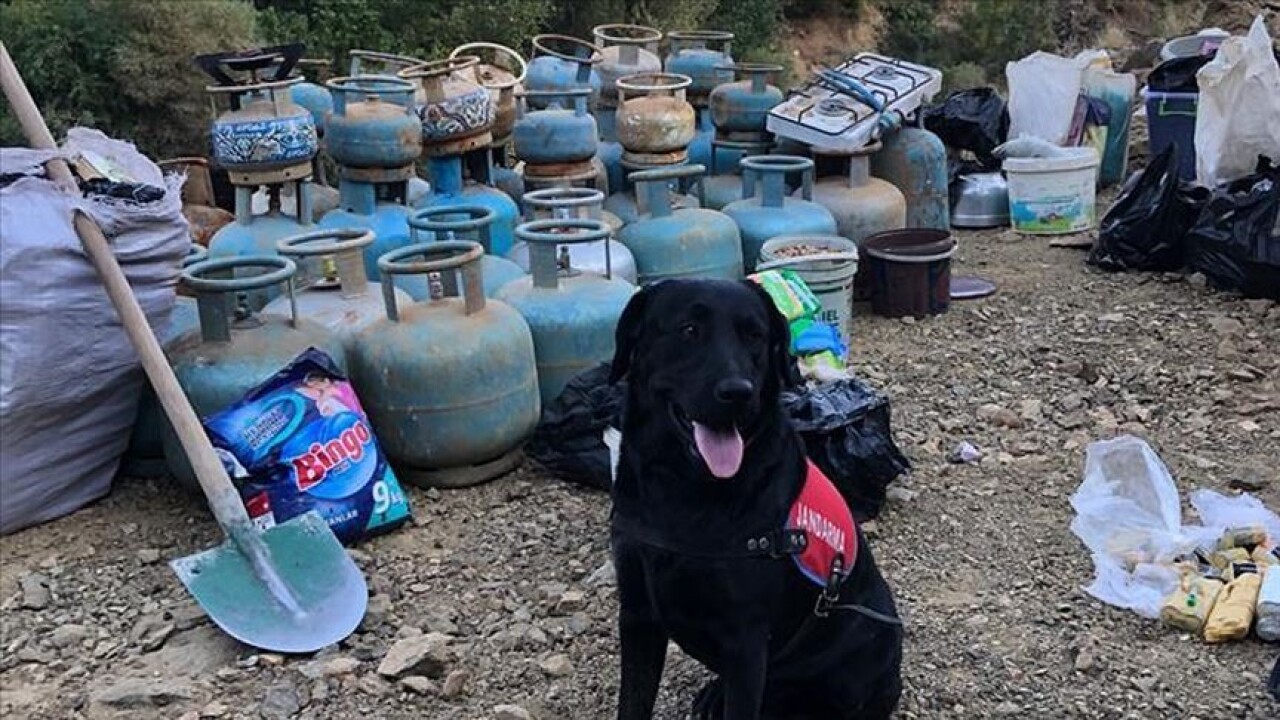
829	528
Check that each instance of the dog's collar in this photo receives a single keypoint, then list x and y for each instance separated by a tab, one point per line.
819	534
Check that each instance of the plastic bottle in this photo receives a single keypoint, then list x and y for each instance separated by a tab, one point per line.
1269	606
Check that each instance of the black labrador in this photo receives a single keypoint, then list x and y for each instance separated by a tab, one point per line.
705	548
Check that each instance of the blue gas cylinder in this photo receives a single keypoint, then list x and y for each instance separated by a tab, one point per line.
450	383
315	98
563	63
558	140
702	55
234	350
672	242
373	135
572	313
915	161
252	234
725	182
450	189
460	222
765	211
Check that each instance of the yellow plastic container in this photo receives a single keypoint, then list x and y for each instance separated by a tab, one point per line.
1189	606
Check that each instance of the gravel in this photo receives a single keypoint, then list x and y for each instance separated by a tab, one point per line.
499	601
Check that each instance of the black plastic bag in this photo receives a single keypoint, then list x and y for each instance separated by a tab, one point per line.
845	427
1234	241
1146	227
976	120
1178	75
847	433
569	439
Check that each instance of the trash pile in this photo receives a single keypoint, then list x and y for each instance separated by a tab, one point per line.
1209	200
1212	580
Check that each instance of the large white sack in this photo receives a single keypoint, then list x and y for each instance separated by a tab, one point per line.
69	378
1238	112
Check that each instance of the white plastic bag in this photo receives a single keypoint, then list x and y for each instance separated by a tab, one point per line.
1218	512
1043	89
1130	517
1238	116
69	378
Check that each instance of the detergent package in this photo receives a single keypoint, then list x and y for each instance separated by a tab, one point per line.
300	441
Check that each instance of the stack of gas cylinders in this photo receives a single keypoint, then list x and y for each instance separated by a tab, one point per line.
492	218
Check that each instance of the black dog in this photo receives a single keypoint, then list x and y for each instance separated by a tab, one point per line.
704	529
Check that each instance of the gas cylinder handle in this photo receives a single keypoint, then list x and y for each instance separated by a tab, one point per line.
540	45
197	253
747	146
555	198
543	236
459	255
772	169
252	87
626	34
498	49
653	84
479	218
213	294
367	88
681	39
578	96
659	176
439	68
343	245
758	72
403	61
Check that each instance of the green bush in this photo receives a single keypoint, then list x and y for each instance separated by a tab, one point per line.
122	66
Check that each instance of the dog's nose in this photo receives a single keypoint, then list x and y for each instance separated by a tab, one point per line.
734	390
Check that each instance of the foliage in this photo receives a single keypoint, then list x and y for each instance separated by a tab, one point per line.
985	33
121	66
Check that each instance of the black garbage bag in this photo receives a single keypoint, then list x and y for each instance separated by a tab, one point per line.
1146	227
845	426
976	120
1235	242
846	430
569	439
1178	75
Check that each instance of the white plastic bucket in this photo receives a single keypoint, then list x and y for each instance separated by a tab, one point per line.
1053	196
829	274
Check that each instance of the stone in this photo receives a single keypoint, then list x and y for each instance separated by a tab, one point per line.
148	556
151	632
333	667
280	702
571	601
455	684
419	684
375	613
417	655
1226	326
511	712
557	666
68	635
214	709
133	693
603	576
897	493
1008	708
999	416
35	591
373	685
1258	307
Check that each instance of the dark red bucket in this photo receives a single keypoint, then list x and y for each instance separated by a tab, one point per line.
910	271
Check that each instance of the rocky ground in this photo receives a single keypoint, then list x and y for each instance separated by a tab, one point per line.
497	602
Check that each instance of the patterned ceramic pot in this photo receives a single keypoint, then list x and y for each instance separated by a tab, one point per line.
501	78
265	131
457	115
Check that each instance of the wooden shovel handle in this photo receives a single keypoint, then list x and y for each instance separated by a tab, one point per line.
224	500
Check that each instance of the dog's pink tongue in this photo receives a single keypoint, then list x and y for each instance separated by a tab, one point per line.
721	450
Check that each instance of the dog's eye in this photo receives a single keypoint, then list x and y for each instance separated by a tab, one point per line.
689	330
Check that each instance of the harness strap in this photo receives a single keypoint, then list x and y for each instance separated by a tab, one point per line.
776	543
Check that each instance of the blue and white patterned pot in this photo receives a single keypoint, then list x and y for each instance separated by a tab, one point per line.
264	135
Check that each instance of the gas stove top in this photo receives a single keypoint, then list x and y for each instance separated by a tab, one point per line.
826	115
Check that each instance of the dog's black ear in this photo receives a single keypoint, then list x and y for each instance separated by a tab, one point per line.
782	362
627	335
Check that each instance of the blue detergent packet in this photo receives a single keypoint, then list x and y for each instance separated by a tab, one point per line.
301	441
